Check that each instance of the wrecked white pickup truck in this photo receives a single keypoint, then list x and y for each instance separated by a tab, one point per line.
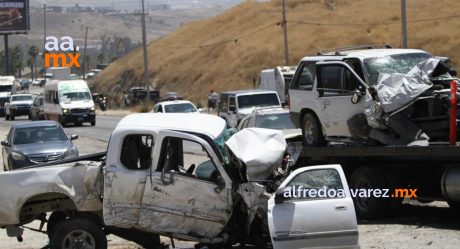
181	176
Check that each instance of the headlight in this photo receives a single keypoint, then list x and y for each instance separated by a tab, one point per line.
92	109
17	156
65	110
70	153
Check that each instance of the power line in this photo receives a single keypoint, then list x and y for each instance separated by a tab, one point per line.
226	41
373	24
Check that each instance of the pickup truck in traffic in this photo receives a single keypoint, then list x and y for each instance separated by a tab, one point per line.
18	105
185	177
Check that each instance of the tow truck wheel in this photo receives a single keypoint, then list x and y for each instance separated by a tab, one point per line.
312	134
369	207
53	220
78	233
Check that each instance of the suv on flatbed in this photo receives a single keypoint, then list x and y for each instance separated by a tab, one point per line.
337	96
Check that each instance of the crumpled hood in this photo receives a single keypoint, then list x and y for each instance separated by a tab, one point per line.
397	90
261	150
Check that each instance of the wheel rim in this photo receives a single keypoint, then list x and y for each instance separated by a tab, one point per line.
308	133
79	239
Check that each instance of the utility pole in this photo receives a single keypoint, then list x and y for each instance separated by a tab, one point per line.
7	63
404	23
286	50
44	38
146	63
84	54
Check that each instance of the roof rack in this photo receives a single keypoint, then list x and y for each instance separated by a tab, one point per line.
337	51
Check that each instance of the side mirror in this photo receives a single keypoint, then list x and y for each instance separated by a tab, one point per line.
356	96
73	137
280	194
5	143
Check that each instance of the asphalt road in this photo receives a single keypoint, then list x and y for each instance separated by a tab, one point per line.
101	131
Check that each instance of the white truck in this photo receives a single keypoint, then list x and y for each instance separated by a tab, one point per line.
18	105
59	73
181	176
8	85
277	79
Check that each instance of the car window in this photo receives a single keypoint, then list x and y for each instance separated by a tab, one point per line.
187	158
279	121
136	151
180	108
330	78
21	98
265	99
320	179
350	81
41	134
306	78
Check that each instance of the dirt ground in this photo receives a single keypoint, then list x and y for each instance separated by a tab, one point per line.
432	225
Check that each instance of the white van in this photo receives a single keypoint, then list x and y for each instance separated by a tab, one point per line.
69	101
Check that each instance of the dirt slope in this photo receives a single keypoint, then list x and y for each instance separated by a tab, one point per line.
228	51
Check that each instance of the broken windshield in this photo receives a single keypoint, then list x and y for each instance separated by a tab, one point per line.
398	63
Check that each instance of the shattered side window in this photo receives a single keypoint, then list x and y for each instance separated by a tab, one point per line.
136	152
321	179
220	141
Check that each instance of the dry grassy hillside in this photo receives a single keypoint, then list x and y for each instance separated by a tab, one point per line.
227	51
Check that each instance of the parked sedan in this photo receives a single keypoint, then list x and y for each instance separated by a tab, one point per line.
36	142
176	106
36	111
271	118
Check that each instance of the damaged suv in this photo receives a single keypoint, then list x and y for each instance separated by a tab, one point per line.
372	95
185	177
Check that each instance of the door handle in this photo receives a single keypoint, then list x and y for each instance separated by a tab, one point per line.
341	208
326	102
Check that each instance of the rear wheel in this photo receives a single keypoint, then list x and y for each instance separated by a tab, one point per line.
369	207
312	134
78	233
54	219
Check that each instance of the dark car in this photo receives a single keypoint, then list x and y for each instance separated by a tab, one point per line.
36	111
36	142
169	96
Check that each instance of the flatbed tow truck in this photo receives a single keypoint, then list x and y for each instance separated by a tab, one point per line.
434	171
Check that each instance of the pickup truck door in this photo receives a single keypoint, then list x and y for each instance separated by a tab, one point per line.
187	192
298	219
336	82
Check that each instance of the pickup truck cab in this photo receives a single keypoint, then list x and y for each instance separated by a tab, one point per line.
184	177
18	105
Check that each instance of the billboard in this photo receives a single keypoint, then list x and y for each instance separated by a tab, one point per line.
14	16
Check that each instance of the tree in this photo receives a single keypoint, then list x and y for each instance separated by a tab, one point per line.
33	52
100	58
16	60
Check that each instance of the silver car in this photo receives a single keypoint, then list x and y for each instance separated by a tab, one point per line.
36	142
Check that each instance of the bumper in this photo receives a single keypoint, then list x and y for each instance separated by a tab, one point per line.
79	118
20	112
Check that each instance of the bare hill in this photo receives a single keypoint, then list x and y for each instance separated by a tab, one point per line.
228	51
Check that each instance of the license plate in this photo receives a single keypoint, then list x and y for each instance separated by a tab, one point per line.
80	118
